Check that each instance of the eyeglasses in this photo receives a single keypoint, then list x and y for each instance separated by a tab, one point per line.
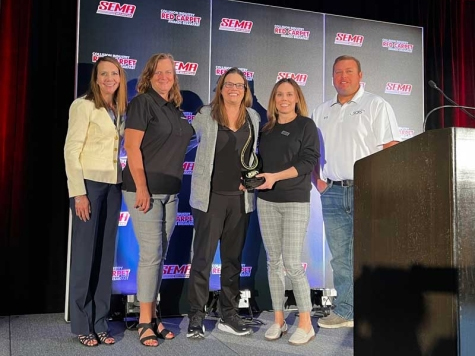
230	85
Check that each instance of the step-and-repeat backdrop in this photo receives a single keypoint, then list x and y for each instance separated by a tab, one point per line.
267	43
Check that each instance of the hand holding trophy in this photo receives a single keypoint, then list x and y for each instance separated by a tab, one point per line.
249	172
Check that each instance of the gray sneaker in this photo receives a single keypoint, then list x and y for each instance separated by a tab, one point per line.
334	321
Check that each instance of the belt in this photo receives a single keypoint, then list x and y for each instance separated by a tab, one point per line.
342	183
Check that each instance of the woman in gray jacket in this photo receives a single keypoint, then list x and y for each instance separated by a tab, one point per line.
226	131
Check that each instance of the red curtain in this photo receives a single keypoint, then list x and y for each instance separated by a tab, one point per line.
449	31
463	61
14	46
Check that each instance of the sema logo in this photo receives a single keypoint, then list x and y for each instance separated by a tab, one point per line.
347	39
176	271
180	18
116	9
300	78
235	25
188	68
398	88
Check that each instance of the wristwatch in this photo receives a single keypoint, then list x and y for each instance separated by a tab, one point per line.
78	198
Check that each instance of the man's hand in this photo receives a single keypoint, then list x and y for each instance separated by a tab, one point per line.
321	185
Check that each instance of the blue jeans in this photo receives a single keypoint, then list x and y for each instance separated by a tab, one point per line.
337	209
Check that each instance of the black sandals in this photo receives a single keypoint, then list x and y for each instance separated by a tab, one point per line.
145	327
104	336
162	334
88	340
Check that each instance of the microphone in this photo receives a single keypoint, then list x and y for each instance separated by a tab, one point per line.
433	85
442	107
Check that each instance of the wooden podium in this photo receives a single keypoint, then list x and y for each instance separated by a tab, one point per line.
414	247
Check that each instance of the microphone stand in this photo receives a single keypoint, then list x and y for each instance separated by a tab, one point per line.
462	107
434	86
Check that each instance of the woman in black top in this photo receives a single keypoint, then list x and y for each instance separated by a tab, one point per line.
289	148
156	137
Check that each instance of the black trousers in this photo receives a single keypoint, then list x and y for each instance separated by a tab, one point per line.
226	221
92	258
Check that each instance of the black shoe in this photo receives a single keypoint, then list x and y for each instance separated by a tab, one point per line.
196	329
234	325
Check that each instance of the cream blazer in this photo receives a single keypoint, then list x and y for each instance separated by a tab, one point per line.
91	150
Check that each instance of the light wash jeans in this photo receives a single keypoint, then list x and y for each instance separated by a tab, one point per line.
337	209
153	231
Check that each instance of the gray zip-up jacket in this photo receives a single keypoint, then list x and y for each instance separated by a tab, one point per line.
206	134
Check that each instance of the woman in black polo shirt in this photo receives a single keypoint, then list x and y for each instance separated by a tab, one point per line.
156	137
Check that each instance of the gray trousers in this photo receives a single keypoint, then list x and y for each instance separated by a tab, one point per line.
283	229
153	231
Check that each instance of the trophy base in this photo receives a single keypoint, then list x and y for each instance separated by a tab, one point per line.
253	183
250	181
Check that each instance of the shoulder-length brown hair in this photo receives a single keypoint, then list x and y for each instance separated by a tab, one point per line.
218	110
120	96
148	71
272	113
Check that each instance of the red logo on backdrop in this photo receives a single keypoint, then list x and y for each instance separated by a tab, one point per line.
184	219
180	18
176	271
188	167
245	270
399	46
120	274
298	33
124	218
116	9
220	70
398	88
348	39
301	79
189	116
406	132
188	68
125	61
123	161
235	25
